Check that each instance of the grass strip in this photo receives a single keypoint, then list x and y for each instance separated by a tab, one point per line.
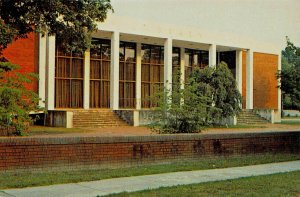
19	179
38	130
290	122
239	126
283	184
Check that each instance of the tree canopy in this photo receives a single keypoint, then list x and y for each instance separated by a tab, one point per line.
209	97
291	55
290	76
71	20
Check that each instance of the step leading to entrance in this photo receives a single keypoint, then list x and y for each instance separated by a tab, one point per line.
248	117
96	118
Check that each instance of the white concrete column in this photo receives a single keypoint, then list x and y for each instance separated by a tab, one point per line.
249	80
212	62
182	67
114	71
138	83
168	64
42	69
86	82
50	63
69	119
136	118
239	69
279	90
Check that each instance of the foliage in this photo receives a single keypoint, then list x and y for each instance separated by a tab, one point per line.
290	76
16	101
174	115
11	179
280	184
225	96
291	54
210	95
71	21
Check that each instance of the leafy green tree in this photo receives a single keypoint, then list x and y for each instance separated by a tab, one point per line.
72	21
209	96
225	96
16	101
183	111
291	55
290	76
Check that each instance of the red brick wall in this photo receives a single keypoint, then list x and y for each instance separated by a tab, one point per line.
265	92
24	52
71	152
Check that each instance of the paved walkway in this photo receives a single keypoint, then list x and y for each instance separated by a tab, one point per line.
130	184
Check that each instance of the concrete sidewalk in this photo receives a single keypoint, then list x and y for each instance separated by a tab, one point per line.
130	184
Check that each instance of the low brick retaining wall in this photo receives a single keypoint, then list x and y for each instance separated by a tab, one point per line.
37	153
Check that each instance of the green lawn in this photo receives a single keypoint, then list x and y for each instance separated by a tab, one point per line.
284	184
290	122
291	117
44	130
39	130
239	126
17	179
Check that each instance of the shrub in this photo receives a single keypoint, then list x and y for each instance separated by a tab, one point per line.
210	95
225	96
16	101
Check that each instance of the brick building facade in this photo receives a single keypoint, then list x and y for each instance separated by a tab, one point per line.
133	57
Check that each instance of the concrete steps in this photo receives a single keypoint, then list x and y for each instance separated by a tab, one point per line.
96	118
248	117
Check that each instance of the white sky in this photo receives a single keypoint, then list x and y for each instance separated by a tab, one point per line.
268	20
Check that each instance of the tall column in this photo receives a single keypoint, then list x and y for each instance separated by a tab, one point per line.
42	69
86	82
212	55
182	70
168	64
239	69
50	63
279	90
249	80
138	85
114	71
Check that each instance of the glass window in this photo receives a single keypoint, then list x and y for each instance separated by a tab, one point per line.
127	75
100	49
100	73
130	50
152	72
68	79
176	56
122	51
145	53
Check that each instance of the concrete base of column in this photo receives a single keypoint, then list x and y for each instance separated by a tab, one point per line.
136	118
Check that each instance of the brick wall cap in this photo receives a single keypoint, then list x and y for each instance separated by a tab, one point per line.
127	139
